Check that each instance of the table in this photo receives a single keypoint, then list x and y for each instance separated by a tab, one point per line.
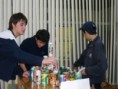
25	82
47	87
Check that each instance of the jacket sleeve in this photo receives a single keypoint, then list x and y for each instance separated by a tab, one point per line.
24	57
80	61
101	62
24	45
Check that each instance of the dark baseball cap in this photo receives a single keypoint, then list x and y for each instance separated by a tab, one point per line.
89	26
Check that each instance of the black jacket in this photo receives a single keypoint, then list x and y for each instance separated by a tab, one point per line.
94	60
10	55
29	45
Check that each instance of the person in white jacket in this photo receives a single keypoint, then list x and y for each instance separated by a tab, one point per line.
10	52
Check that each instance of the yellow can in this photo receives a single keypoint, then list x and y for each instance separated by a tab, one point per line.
44	79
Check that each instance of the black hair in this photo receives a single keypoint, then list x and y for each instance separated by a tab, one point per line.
15	18
43	35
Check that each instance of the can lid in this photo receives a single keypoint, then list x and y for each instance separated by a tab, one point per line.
38	72
45	56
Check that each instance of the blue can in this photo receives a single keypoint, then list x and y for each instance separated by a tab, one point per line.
62	78
32	73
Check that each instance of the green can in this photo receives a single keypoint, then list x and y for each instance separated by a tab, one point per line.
44	79
62	70
72	75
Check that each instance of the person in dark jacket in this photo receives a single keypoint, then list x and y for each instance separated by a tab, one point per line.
11	54
93	58
36	45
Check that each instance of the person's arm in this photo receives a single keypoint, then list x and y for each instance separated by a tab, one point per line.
25	71
80	61
24	57
22	65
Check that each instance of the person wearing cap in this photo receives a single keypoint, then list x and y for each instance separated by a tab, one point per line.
11	54
93	58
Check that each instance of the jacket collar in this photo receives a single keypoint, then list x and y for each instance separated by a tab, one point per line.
92	43
7	34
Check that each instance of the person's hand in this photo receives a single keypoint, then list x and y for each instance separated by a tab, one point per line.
26	74
49	60
82	70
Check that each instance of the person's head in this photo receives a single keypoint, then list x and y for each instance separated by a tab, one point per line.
17	23
89	30
42	37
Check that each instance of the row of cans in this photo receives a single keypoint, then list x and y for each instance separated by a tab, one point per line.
43	78
37	77
54	78
70	76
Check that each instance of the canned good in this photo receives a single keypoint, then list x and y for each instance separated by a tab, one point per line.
53	79
50	67
44	79
32	73
38	77
66	76
57	83
78	75
72	75
62	78
62	69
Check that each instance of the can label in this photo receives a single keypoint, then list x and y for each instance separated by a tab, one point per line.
78	75
66	76
62	78
72	75
38	77
44	79
53	79
32	74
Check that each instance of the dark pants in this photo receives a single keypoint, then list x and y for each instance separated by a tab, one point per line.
96	85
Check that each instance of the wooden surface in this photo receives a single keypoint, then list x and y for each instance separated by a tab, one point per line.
25	82
47	87
27	85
